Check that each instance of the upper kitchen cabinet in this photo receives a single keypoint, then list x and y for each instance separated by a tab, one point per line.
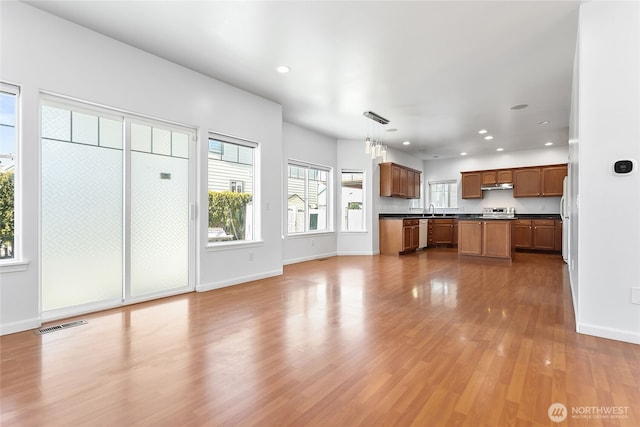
552	177
539	181
472	185
497	177
526	182
399	181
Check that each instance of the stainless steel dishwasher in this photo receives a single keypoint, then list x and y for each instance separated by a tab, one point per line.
424	233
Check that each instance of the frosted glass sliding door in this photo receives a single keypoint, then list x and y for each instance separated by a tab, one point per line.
82	209
116	223
159	210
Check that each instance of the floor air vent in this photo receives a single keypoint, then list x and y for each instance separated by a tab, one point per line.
54	328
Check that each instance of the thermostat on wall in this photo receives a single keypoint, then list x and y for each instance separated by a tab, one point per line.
622	167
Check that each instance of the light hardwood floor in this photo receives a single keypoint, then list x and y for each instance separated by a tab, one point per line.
420	340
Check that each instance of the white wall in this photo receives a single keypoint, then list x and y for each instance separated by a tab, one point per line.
308	146
608	206
445	169
42	52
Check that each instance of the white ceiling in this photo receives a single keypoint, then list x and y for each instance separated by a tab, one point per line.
439	71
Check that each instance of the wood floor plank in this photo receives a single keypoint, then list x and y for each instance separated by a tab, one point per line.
424	339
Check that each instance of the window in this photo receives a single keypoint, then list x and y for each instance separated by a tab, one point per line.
231	167
308	198
236	186
353	216
443	194
8	149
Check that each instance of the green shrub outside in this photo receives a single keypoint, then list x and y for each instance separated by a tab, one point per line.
228	210
6	212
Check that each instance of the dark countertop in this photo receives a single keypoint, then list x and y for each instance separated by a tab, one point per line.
464	216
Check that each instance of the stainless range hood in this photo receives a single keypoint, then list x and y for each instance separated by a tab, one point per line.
507	186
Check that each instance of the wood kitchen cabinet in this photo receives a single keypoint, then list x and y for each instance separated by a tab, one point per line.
470	237
471	185
442	232
537	234
410	235
485	238
544	234
557	246
497	177
552	177
522	234
526	182
399	181
399	236
413	184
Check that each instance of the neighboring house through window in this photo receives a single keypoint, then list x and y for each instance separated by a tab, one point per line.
353	212
308	198
231	186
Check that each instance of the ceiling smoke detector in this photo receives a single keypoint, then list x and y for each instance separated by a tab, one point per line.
375	117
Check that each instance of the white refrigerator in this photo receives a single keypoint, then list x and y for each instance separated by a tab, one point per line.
564	214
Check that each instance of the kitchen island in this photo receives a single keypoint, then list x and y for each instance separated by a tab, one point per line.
487	238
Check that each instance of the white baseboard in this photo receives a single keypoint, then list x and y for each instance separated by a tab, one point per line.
609	333
308	258
356	253
237	280
23	325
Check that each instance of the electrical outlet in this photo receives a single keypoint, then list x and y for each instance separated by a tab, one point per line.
312	242
635	295
250	256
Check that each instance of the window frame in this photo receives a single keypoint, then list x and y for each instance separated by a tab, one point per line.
449	182
364	201
16	262
255	188
306	166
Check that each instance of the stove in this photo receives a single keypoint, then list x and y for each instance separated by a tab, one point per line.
498	212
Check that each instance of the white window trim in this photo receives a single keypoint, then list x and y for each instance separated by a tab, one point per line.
257	218
17	263
330	198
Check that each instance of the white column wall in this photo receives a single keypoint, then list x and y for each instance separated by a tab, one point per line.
311	147
608	205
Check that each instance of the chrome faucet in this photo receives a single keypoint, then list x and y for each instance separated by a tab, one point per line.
431	207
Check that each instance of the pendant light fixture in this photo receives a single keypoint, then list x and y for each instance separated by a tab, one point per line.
373	145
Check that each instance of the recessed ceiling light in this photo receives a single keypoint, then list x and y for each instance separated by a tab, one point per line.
544	122
463	153
499	149
482	131
548	143
406	143
519	106
392	130
436	156
488	137
283	69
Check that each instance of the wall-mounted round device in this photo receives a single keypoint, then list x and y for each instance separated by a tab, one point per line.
623	167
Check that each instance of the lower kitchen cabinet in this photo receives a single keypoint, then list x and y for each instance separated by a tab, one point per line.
442	232
537	234
398	235
522	234
485	238
544	231
410	235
